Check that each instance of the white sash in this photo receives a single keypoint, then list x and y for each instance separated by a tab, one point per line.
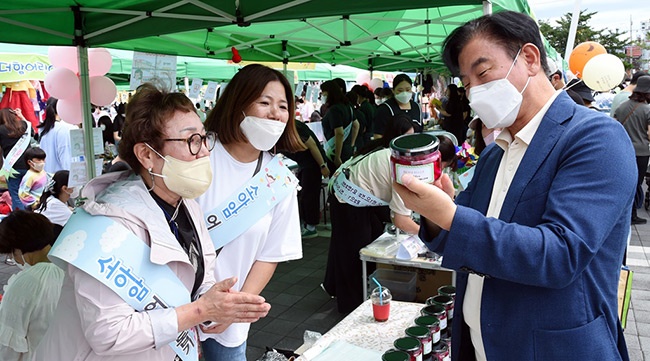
349	192
114	256
244	207
15	153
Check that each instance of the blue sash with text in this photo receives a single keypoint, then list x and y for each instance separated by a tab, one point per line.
113	255
243	208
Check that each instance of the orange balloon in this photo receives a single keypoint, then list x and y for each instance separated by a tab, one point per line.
582	53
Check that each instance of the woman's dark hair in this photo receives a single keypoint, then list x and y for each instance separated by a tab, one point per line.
352	99
26	231
510	29
454	105
364	92
50	117
448	151
479	142
15	126
53	188
34	153
640	97
334	93
341	83
396	126
401	78
387	93
242	91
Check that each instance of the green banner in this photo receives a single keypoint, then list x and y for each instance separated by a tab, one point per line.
16	67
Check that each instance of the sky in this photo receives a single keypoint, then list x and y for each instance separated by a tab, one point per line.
611	14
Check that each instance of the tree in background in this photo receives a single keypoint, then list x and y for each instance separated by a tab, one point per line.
557	34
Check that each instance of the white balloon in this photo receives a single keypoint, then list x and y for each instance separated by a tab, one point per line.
363	78
603	72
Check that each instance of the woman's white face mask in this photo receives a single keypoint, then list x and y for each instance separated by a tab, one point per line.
262	133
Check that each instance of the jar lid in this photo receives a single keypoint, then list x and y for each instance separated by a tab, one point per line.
433	309
447	290
407	344
442	299
395	355
415	144
427	321
417	331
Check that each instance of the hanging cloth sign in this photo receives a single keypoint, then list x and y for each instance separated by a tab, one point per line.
16	152
114	256
244	207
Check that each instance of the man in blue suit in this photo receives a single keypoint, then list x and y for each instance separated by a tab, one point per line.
538	237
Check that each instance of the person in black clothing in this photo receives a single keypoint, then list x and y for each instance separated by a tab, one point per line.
312	170
368	108
402	102
360	117
454	121
338	121
118	122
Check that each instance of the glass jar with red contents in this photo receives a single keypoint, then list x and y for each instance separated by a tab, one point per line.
439	312
410	345
440	352
395	355
416	154
424	335
433	324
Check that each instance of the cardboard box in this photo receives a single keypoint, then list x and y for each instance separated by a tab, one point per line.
427	281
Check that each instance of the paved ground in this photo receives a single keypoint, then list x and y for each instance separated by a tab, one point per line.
299	304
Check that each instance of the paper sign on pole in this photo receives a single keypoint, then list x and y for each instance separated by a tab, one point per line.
157	69
195	89
211	91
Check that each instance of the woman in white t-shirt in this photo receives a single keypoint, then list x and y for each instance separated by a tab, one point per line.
54	200
253	115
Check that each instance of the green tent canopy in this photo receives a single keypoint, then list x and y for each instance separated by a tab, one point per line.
378	34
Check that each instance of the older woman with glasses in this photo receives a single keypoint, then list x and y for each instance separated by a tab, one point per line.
152	208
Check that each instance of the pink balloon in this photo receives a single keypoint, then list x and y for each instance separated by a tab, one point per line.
62	83
99	62
70	110
363	78
102	90
376	83
64	57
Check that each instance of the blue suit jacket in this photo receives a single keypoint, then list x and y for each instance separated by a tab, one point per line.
552	258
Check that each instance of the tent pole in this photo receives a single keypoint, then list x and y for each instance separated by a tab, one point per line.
84	80
487	7
573	29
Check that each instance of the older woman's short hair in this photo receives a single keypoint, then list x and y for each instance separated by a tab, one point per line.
244	88
148	112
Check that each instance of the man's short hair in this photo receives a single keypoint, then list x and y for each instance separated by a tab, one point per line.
509	29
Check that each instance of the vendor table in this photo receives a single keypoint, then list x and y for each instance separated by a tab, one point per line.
371	253
359	328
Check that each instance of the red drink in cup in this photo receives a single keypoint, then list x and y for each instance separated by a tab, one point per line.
380	304
381	312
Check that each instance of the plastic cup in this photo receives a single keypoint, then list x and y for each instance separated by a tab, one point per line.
381	304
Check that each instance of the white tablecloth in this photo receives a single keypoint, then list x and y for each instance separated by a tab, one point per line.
360	328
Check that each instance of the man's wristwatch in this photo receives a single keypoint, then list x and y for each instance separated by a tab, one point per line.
324	165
